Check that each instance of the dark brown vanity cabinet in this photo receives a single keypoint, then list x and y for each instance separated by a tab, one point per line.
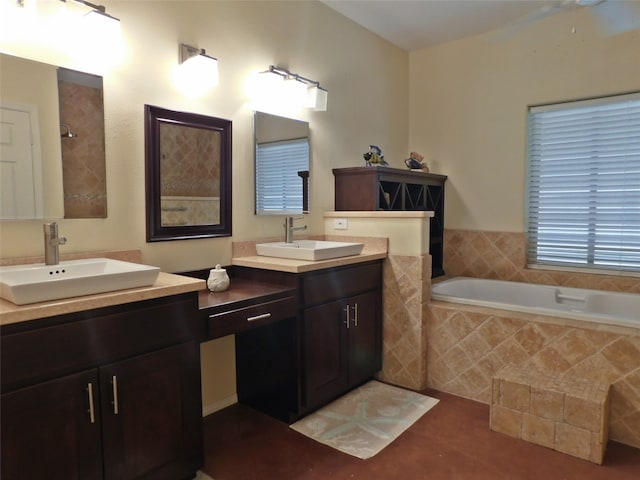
106	394
330	343
47	430
394	189
341	331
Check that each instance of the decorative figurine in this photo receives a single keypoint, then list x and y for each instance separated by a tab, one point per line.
374	156
416	162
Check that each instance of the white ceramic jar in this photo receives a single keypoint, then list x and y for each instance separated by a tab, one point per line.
218	280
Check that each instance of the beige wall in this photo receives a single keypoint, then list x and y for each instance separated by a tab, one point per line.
366	77
469	104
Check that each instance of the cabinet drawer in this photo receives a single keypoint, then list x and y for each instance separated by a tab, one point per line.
36	355
235	321
340	283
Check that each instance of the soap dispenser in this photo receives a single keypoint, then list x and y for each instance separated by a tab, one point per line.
218	280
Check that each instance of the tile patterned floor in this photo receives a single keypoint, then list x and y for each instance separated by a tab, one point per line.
452	442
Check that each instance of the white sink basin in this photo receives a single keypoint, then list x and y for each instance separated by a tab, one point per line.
309	249
24	284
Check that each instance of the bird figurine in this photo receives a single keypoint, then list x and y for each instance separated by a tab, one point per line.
374	156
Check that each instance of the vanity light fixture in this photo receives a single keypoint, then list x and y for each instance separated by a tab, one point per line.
300	89
196	64
317	98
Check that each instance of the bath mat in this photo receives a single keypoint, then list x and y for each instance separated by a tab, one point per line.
365	420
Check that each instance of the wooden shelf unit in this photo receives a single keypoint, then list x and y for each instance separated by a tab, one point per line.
394	189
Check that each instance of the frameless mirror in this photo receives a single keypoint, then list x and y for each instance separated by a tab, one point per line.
188	175
52	158
281	165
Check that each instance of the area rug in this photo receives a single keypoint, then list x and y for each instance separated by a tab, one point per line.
365	420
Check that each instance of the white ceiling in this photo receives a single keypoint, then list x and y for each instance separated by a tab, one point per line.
414	24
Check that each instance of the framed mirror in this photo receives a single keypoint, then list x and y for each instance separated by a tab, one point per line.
281	165
188	175
52	141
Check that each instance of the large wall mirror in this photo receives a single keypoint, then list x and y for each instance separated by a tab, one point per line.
188	175
281	165
52	158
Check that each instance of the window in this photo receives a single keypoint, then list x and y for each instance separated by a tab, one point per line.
278	184
584	184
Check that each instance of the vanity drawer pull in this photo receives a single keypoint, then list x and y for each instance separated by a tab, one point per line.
259	317
92	413
114	386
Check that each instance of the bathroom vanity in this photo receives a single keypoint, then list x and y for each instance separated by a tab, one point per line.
108	386
310	331
77	387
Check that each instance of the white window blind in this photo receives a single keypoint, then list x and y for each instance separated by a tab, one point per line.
584	184
278	185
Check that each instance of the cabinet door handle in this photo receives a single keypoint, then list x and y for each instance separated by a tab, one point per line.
258	317
346	320
355	315
92	413
114	387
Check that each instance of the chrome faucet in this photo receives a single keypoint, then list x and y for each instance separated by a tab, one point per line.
289	228
51	243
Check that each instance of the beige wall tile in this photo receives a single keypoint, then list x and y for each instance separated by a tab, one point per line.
514	395
547	403
583	413
598	448
573	440
538	430
505	420
624	353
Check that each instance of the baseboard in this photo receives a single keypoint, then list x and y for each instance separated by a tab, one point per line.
219	405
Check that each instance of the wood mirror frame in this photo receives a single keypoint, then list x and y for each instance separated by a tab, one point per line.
157	230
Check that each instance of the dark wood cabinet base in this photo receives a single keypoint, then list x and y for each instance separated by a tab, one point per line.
105	394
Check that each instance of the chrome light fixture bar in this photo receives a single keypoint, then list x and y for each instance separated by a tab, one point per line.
316	96
188	52
96	9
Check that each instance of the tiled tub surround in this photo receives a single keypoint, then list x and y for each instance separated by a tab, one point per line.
405	297
468	345
502	256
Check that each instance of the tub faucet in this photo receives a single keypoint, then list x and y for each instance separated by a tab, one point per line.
289	228
51	243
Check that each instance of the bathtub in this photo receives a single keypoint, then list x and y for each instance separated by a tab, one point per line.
597	306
